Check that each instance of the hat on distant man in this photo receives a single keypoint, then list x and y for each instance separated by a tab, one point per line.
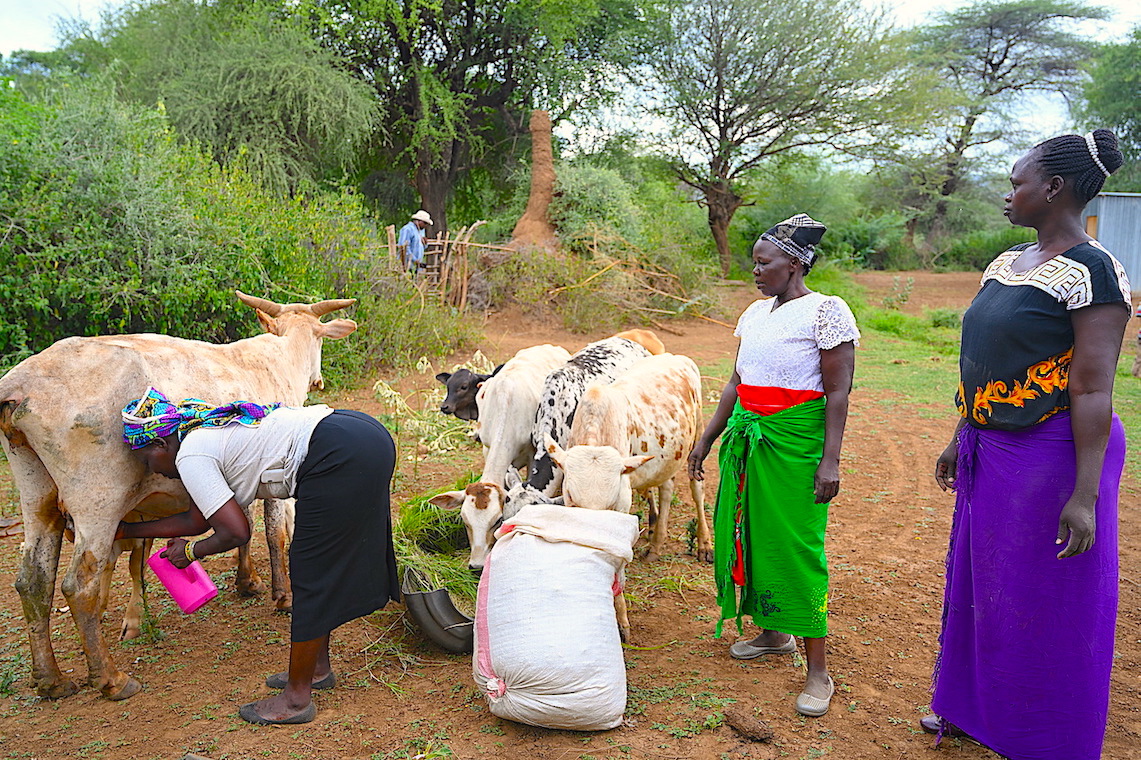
422	216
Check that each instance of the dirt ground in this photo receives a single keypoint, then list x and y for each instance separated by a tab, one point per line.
400	697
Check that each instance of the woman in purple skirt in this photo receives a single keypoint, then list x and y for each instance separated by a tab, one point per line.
1031	598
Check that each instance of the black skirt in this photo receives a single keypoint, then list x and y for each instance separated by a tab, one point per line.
341	562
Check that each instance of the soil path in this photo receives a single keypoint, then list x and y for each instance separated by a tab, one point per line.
399	697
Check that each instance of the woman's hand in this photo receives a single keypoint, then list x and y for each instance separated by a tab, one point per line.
946	466
175	551
1078	522
827	481
696	460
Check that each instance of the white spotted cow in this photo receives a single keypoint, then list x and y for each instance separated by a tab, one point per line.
653	409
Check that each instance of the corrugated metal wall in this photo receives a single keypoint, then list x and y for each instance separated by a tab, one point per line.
1119	229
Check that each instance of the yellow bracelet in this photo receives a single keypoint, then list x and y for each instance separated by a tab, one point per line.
190	551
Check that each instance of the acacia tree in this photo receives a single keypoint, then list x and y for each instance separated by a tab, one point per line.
1112	99
248	87
457	79
739	81
988	55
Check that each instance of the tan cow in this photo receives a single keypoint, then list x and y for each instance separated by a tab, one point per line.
62	432
653	409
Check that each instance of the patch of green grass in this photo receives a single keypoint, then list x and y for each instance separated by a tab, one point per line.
419	748
431	547
911	371
12	669
1127	404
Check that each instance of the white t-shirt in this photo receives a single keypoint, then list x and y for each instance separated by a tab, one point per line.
247	462
781	348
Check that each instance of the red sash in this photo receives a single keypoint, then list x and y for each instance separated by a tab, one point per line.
765	400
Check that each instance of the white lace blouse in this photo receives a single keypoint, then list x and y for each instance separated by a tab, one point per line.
781	348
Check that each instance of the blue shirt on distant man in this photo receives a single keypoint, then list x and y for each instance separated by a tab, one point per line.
412	238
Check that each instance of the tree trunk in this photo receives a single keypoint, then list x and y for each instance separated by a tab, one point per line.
434	183
952	174
721	203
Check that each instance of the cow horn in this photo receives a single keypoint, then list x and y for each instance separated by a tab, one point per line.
321	308
269	307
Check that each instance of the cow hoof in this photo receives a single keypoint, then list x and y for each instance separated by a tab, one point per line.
57	689
251	588
128	632
283	602
705	555
651	556
129	689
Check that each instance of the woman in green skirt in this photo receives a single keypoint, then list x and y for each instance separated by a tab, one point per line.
783	414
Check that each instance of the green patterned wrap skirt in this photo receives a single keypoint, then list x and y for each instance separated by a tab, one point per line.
768	529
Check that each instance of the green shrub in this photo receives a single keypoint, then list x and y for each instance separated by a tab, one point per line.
920	330
627	254
827	277
591	201
116	227
952	318
974	251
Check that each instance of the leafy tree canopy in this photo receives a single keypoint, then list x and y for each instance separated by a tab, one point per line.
988	55
1112	99
457	78
250	87
739	81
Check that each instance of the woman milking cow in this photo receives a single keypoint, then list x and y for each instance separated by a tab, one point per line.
337	464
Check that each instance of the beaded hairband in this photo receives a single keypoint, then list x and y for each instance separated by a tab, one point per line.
1092	145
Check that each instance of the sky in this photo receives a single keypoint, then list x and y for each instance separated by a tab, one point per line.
30	24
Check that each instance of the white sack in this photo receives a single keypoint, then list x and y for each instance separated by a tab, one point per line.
547	649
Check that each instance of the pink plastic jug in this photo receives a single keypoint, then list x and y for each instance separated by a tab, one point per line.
190	587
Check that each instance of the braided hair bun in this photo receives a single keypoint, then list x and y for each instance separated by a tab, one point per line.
1083	162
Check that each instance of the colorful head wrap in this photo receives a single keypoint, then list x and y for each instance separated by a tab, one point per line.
797	236
154	416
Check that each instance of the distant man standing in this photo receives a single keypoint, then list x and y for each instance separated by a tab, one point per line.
412	238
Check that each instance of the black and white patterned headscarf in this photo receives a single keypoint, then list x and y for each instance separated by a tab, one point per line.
797	236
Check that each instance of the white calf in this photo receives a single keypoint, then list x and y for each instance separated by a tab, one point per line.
506	404
653	409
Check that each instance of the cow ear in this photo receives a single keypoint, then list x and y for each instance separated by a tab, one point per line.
629	464
448	500
444	377
495	371
554	449
337	328
512	479
268	323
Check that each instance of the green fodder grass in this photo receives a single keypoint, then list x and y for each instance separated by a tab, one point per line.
432	548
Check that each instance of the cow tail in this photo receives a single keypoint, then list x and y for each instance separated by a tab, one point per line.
8	422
